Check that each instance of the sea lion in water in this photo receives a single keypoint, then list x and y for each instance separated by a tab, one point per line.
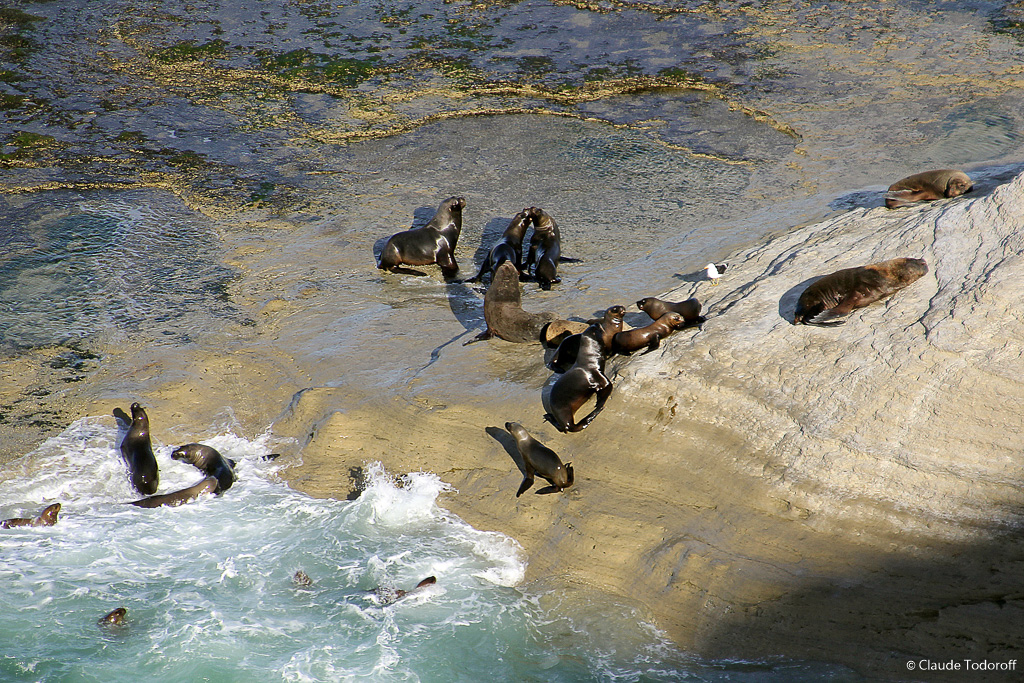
210	461
390	595
585	378
114	618
545	248
927	186
836	295
508	248
689	309
610	324
48	517
301	580
137	451
207	485
503	310
541	460
628	341
433	243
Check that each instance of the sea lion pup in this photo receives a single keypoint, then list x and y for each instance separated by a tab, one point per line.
137	451
927	186
545	248
610	324
114	618
390	595
836	295
541	460
689	309
207	485
433	243
48	517
503	310
628	341
508	248
584	379
210	461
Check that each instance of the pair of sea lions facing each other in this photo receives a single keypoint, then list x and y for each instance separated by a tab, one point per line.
927	186
434	242
830	299
48	517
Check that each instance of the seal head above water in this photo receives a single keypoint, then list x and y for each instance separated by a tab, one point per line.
210	461
48	517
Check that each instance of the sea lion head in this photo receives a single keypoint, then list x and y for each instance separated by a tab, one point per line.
505	285
514	428
959	183
139	417
541	219
906	270
114	618
454	204
49	515
195	454
673	320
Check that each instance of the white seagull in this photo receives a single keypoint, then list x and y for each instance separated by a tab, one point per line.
714	271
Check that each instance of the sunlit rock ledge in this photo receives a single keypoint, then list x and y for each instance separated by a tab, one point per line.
912	412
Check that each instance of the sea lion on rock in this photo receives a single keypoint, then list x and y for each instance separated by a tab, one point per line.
210	461
508	248
207	485
48	517
628	341
585	378
927	186
689	309
545	248
827	300
113	618
503	310
610	324
541	460
137	451
433	243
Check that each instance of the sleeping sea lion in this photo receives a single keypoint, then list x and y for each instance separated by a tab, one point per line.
541	460
689	309
628	341
503	310
508	248
48	517
114	618
210	461
545	248
207	485
433	243
610	324
137	451
585	378
836	295
927	186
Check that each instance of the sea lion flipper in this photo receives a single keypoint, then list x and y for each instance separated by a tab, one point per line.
566	259
548	489
486	334
429	581
406	271
527	482
829	318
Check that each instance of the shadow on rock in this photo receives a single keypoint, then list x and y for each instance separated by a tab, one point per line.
508	442
787	304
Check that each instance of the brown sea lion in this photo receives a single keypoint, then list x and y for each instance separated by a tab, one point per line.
836	295
628	341
433	243
114	618
545	248
610	324
390	595
927	186
540	460
137	451
504	314
210	461
689	309
508	248
48	517
302	580
585	378
207	485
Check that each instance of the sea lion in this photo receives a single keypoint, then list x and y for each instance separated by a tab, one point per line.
48	517
433	243
137	451
301	580
628	341
545	248
390	595
836	295
503	310
210	461
585	378
927	186
689	309
508	248
207	485
610	324
541	460
114	618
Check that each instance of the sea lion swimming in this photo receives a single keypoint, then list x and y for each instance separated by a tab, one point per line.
585	378
113	618
689	309
137	451
545	248
836	295
508	248
927	186
610	324
503	310
387	596
628	341
207	485
433	243
540	460
48	517
210	461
